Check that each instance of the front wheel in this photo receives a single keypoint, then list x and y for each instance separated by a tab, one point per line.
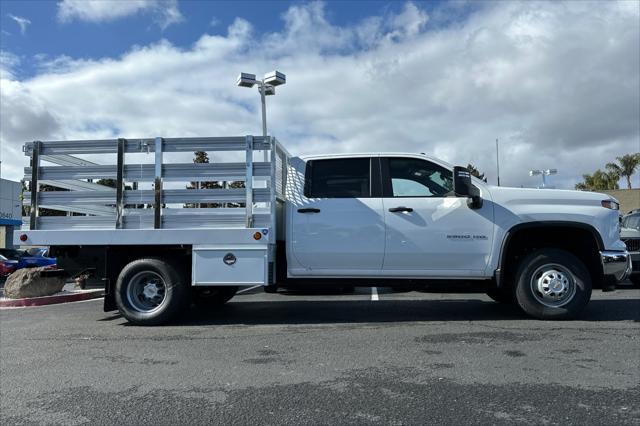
552	284
150	292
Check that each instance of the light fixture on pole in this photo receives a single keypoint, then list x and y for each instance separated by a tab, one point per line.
266	87
544	174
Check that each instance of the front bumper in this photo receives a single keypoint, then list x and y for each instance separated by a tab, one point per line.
616	264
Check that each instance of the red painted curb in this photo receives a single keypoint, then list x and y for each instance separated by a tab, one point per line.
51	300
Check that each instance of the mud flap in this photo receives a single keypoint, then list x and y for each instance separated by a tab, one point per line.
109	296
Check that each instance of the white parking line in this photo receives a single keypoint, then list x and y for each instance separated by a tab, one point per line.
374	294
250	288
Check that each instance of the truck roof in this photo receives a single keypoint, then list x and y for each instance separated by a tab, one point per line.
376	154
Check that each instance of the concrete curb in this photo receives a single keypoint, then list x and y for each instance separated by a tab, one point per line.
51	300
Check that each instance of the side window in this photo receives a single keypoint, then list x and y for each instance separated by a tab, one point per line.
338	178
413	177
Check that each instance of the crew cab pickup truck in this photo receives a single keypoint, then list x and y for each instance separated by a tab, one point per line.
165	236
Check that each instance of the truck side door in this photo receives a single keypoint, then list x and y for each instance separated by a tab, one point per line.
429	231
337	225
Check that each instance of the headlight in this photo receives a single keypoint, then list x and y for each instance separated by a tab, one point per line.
610	204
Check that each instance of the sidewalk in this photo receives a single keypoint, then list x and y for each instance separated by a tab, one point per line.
69	293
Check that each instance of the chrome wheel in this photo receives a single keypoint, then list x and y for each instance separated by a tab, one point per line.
553	285
146	291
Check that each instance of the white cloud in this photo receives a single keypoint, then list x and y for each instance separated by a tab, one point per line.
164	12
558	83
409	22
22	22
8	63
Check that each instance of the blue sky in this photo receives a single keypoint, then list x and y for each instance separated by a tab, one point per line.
46	34
557	82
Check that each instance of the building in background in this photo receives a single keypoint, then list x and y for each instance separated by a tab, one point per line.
629	198
10	211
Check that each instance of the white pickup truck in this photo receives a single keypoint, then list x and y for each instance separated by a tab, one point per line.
362	219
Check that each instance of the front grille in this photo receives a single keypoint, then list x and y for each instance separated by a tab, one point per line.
633	244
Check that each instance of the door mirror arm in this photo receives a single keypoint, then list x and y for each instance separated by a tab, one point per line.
463	187
475	201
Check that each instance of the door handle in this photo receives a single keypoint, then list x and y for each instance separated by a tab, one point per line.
400	209
309	210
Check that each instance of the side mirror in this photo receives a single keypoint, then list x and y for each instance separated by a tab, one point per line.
463	187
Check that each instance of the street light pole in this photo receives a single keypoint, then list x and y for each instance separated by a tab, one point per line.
266	87
264	109
261	89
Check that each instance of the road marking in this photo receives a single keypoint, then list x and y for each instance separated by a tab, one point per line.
374	294
250	288
100	299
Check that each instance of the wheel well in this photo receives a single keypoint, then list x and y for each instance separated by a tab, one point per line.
106	262
580	241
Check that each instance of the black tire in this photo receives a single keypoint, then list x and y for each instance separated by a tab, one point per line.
209	297
159	274
502	295
550	268
273	288
348	289
635	280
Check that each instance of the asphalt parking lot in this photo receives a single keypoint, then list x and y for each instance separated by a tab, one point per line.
296	358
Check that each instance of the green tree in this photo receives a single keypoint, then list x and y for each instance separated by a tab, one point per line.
111	183
238	184
42	211
49	212
475	172
26	209
201	157
598	181
626	167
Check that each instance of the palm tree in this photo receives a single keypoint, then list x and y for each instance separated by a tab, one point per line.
627	166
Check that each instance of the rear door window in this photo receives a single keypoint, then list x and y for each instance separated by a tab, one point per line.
338	178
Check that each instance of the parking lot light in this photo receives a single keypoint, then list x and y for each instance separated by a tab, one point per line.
275	78
266	87
544	174
246	80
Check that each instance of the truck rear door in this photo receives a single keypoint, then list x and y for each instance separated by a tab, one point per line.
337	226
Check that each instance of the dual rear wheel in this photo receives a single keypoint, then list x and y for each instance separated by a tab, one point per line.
153	291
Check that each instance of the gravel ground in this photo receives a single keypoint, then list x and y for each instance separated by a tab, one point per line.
296	358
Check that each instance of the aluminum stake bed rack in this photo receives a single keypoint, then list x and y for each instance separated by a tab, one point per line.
140	212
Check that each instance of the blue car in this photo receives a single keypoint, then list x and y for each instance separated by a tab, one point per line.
27	260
